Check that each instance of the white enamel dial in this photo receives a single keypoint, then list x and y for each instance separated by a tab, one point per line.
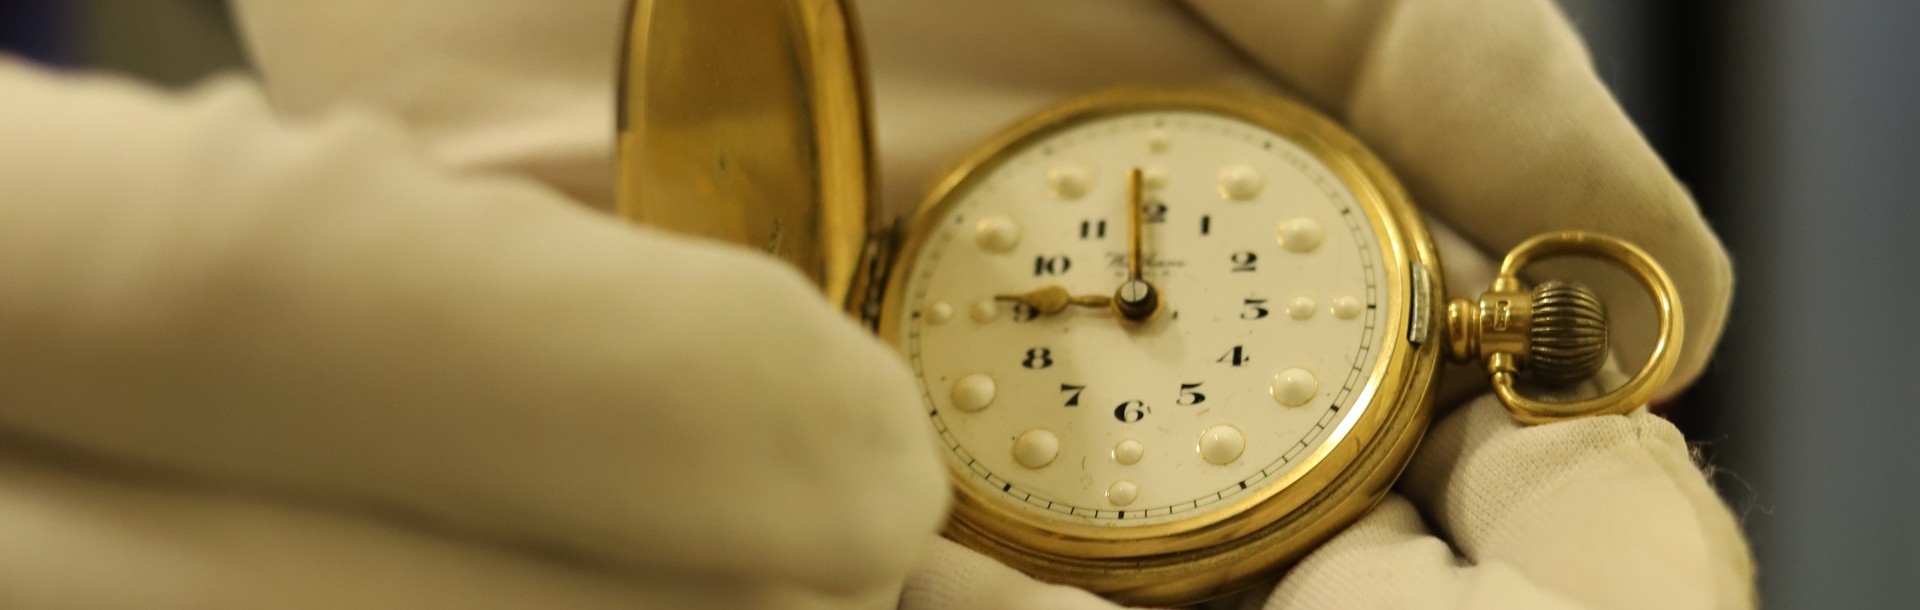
1273	314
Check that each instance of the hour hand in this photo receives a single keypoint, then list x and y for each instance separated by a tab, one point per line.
1055	299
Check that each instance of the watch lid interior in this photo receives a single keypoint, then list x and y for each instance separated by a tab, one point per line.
746	121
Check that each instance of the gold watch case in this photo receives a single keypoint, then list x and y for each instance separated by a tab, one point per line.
757	111
1228	549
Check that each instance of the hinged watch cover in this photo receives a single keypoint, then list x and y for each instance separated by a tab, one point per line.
746	121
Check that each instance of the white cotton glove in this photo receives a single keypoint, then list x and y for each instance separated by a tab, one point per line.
248	365
1491	115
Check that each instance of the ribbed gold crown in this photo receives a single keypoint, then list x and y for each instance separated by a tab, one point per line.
1568	339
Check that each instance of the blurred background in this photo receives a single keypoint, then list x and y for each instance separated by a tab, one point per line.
1797	126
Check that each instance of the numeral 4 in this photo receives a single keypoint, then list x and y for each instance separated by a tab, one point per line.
1236	357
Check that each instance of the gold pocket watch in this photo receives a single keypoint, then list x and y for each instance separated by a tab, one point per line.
1170	339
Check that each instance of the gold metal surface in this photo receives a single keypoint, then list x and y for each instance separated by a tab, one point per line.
746	121
1055	299
1225	550
1136	209
1504	326
1136	301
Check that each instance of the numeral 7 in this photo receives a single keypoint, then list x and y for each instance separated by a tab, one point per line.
1073	397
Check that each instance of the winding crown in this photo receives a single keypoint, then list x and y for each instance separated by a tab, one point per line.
1556	333
1568	339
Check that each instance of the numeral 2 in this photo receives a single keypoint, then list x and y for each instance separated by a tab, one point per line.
1243	261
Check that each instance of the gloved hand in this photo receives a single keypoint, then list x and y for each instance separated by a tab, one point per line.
254	365
411	510
1490	114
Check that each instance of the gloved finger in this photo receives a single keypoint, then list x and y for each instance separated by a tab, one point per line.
947	75
954	577
1610	512
1490	113
518	86
319	311
1388	559
84	538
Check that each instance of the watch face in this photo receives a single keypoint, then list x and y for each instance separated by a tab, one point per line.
1271	327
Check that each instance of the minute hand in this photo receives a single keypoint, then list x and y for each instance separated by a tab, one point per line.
1136	300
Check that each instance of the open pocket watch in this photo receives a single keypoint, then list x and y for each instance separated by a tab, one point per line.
1169	339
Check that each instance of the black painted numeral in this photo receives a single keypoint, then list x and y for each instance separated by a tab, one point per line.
1038	358
1256	309
1188	395
1243	261
1093	229
1131	411
1154	212
1023	312
1236	357
1051	265
1206	224
1073	393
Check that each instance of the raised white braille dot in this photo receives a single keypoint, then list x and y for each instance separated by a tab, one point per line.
1128	451
1069	181
1300	308
1122	493
1346	308
996	234
973	392
1240	183
939	313
984	311
1155	177
1036	448
1301	234
1294	387
1159	141
1222	444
